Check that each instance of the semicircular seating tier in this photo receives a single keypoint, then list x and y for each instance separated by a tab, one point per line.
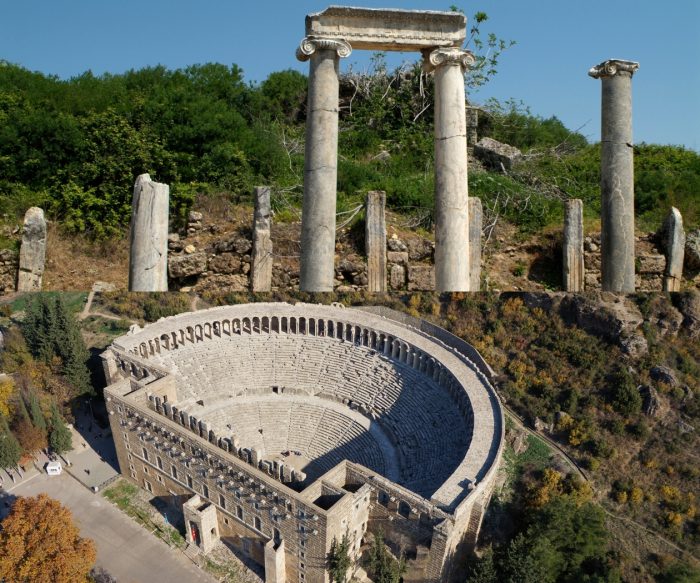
314	385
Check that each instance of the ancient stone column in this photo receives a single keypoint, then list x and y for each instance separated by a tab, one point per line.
375	241
148	257
617	175
261	260
451	190
32	253
674	248
574	271
320	162
476	219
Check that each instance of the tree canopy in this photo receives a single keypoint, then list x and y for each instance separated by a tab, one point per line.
39	542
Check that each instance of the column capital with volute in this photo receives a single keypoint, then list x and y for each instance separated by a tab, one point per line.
443	56
613	67
310	44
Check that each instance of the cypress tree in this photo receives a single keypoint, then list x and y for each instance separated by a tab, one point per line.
35	411
60	437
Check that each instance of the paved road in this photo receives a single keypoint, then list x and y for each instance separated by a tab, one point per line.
124	549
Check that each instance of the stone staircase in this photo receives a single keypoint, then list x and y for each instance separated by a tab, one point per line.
193	552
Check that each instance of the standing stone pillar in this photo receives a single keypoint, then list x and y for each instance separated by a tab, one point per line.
451	189
674	248
261	261
375	241
617	175
148	257
32	253
320	162
574	271
476	219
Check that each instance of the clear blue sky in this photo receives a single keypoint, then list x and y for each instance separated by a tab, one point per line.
557	42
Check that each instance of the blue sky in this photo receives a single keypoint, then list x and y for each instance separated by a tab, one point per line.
557	42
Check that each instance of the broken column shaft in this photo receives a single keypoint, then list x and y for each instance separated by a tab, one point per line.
148	256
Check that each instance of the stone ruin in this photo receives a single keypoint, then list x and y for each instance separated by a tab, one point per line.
283	426
32	254
333	34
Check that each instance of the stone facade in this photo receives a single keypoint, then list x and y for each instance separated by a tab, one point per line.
283	509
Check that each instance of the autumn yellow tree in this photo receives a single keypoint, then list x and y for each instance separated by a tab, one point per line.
39	542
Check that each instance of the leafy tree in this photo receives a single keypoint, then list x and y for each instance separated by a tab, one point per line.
51	331
39	542
484	570
10	450
384	568
7	389
338	560
60	437
624	395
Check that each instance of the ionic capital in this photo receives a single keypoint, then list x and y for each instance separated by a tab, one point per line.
612	67
447	56
310	44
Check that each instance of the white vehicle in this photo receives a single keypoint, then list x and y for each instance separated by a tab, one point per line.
54	468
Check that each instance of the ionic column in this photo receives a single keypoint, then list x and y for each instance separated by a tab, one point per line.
320	162
148	255
451	190
617	175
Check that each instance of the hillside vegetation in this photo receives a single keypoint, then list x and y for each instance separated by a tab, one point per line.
75	146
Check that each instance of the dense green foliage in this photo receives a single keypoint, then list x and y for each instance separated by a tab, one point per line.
10	450
338	560
383	567
60	437
75	146
51	332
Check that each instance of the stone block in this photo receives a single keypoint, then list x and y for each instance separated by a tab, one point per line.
399	257
236	244
180	266
226	263
421	278
496	155
651	263
397	277
396	244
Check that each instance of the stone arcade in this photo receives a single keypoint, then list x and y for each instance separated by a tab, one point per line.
277	428
333	34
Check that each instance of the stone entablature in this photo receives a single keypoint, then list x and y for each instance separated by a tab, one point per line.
380	29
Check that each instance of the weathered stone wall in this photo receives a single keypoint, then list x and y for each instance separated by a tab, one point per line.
9	264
